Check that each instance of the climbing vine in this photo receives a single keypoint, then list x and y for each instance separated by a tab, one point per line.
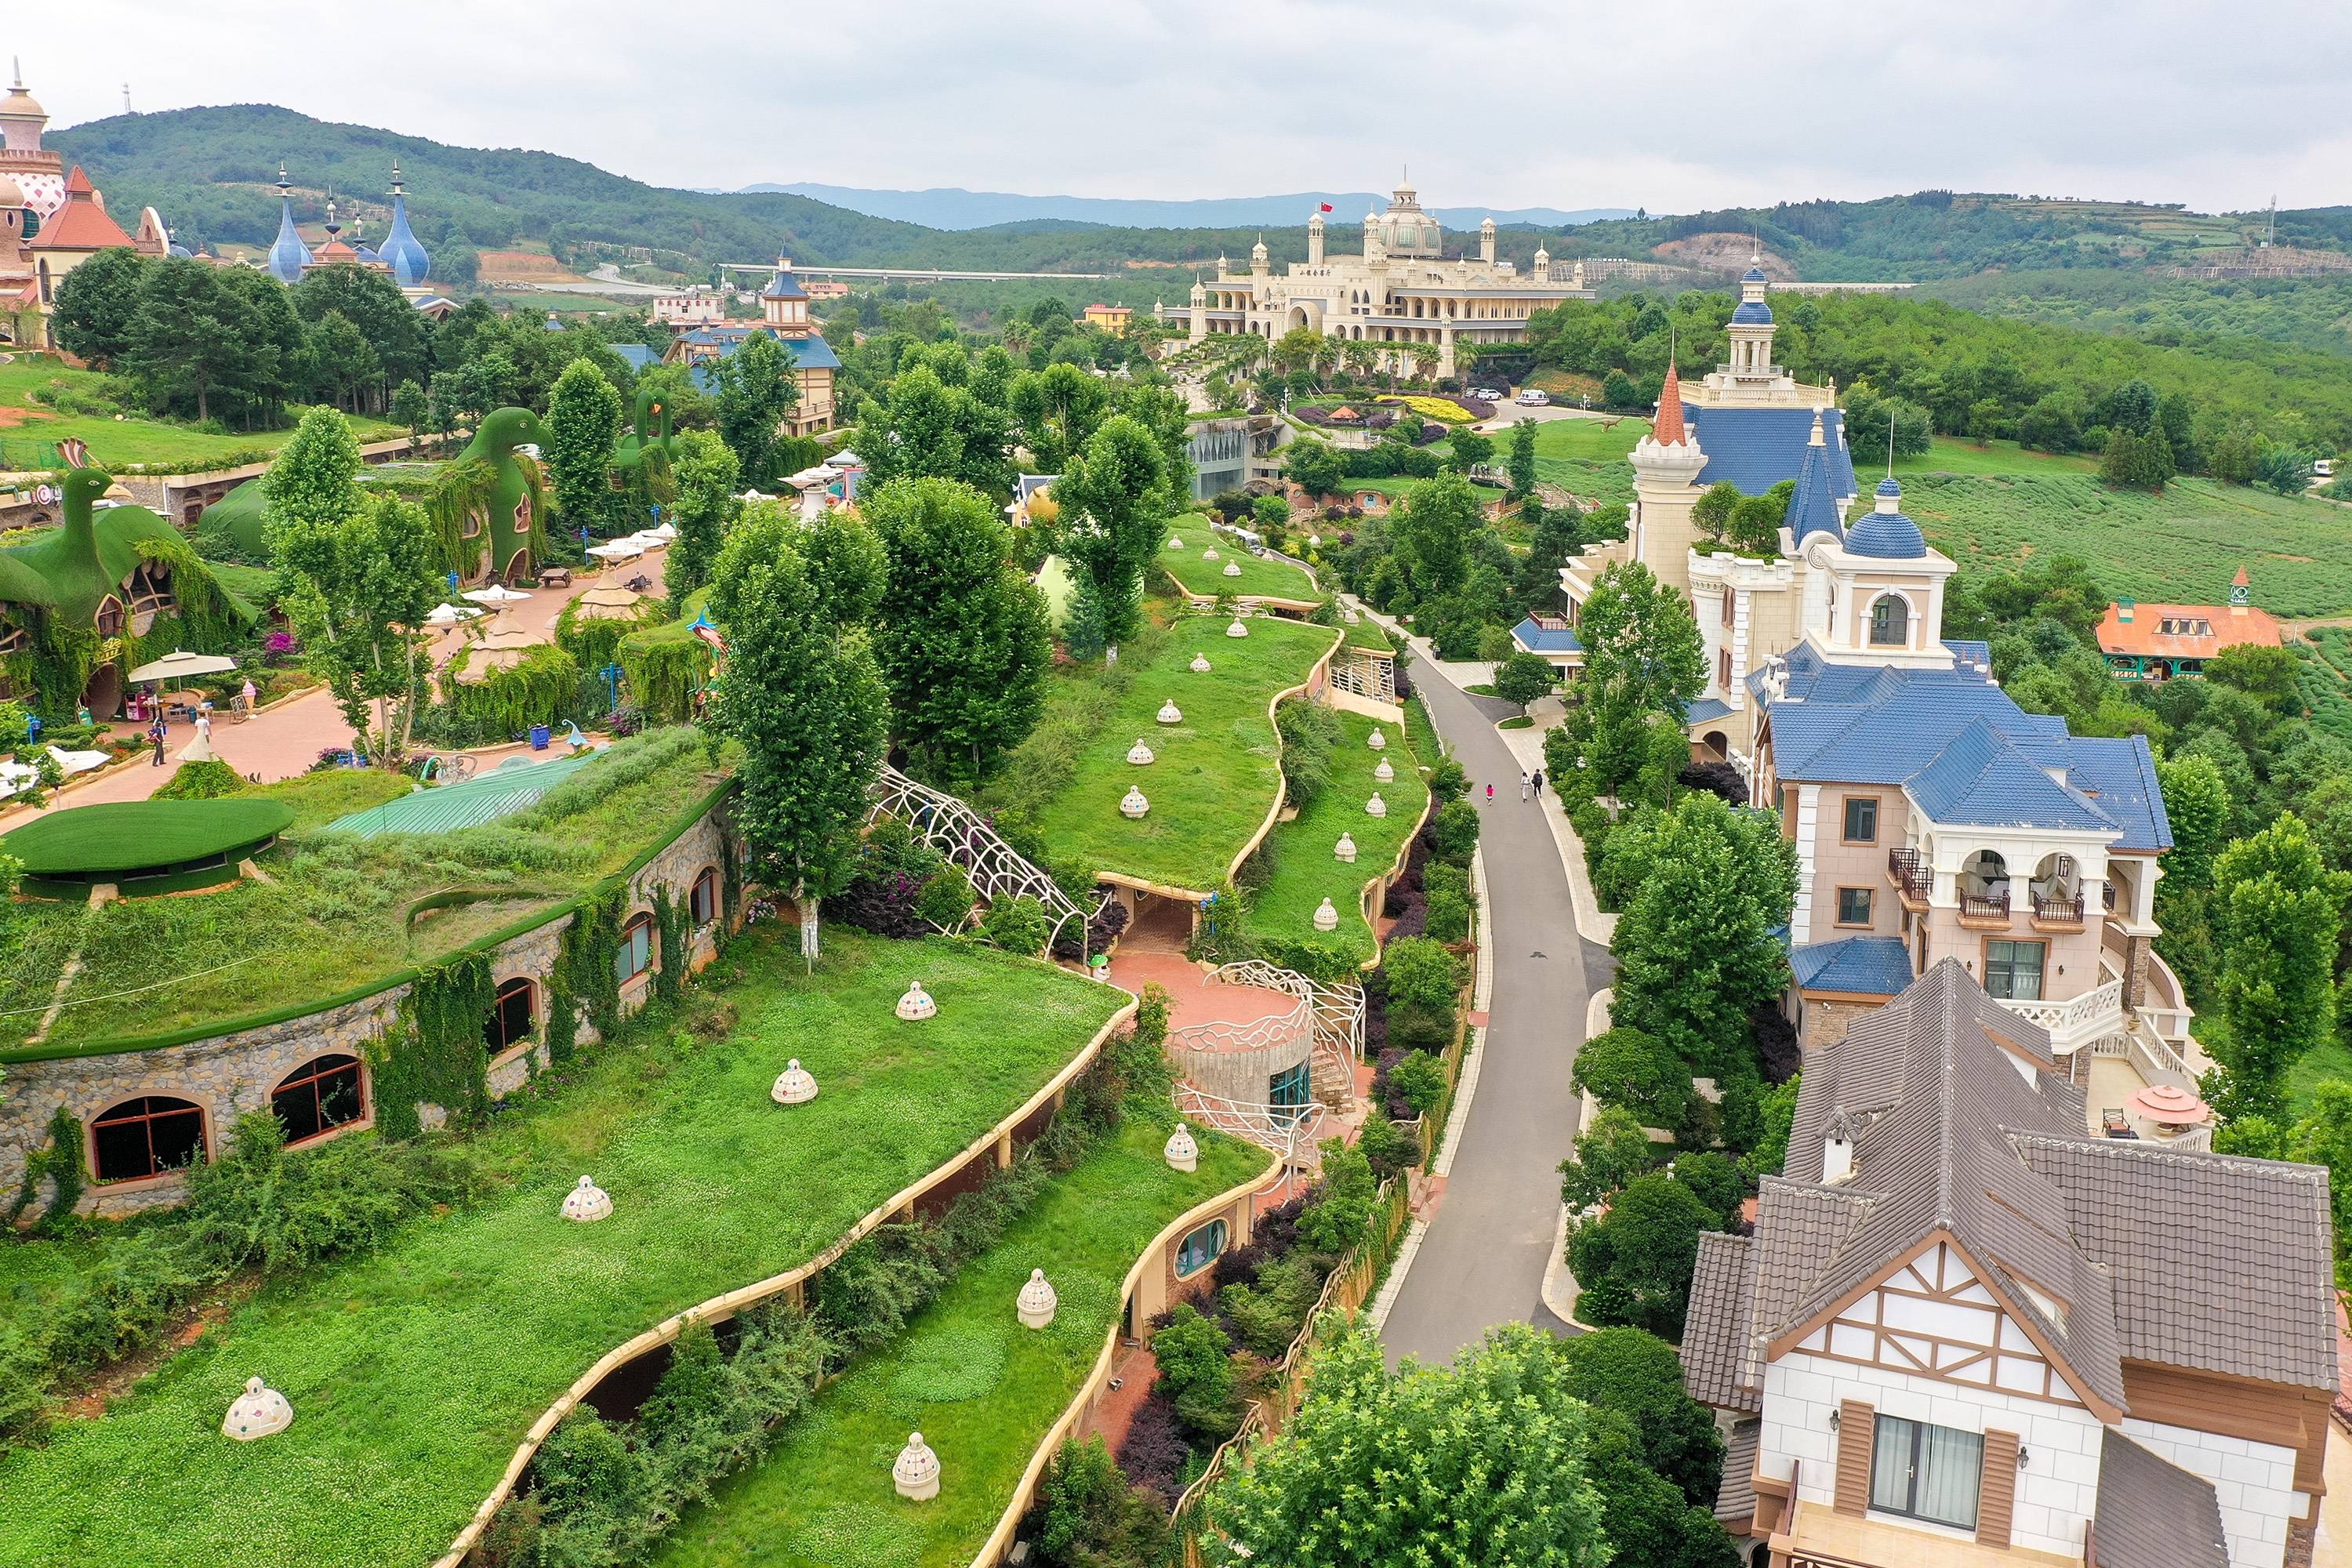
665	666
539	689
61	1160
672	921
586	972
436	1054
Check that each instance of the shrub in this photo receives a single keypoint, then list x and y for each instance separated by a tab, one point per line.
1610	1153
1423	981
1446	916
1017	925
1266	1314
1714	1179
1154	1453
946	900
199	781
1456	831
1628	1068
1339	1214
1196	1373
1389	1148
1086	1514
1311	734
1634	1262
1639	1376
1418	1079
1448	782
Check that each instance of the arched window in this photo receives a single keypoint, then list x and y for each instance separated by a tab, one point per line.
318	1096
147	1137
702	900
636	954
513	1016
110	618
1200	1249
1890	622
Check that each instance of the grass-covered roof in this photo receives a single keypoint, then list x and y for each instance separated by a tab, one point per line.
143	835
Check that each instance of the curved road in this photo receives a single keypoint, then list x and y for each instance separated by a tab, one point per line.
1483	1255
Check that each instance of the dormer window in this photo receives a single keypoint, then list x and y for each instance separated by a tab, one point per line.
1890	622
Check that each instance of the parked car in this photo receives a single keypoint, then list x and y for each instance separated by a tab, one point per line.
1488	393
2324	470
1532	397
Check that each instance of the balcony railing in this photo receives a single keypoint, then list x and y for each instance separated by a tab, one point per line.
1992	908
1911	876
2054	910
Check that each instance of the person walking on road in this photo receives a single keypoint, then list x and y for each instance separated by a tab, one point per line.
156	739
1523	786
1538	781
1490	795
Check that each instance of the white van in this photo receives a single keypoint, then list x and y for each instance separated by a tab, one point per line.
1532	397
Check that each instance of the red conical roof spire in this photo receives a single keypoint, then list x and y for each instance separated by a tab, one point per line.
1669	430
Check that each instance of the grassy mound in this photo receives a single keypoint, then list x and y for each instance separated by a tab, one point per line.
142	835
1260	577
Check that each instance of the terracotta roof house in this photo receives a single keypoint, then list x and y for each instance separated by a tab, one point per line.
1966	1331
2158	642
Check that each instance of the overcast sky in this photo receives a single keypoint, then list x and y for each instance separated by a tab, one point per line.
1658	103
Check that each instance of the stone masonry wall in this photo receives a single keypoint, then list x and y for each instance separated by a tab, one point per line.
232	1074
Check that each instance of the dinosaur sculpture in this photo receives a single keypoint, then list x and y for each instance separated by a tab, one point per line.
76	601
492	503
648	451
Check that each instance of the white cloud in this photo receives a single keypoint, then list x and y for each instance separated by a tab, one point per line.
1670	104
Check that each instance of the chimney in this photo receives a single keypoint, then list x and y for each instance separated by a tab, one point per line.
1837	1151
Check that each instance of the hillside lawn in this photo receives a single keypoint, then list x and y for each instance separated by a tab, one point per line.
1595	439
1303	871
414	1372
2181	546
117	444
982	1390
1261	577
337	910
1216	773
1951	455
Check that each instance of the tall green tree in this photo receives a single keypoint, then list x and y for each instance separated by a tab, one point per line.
409	408
96	304
846	567
314	482
357	588
344	370
803	697
398	337
1522	463
1114	500
192	343
1634	1262
961	633
1056	409
755	394
925	427
2197	805
1481	1465
583	425
1695	949
707	478
1432	535
2278	916
1636	629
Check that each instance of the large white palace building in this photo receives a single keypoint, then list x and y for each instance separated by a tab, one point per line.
1402	290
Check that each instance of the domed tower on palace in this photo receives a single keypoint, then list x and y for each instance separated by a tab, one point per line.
1406	231
39	176
400	250
287	254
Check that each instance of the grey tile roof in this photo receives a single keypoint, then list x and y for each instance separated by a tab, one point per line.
2183	1260
1706	710
1756	449
1538	638
1735	1497
2221	1264
2152	1513
1866	965
1715	1332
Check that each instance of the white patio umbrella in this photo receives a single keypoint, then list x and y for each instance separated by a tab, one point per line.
662	534
450	616
498	596
178	665
627	549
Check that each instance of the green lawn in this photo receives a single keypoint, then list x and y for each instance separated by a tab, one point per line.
982	1390
1594	441
2181	546
115	444
1951	455
1216	773
131	835
1303	871
335	911
1260	577
1365	632
1603	479
414	1372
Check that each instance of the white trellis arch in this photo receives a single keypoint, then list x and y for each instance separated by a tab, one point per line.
964	836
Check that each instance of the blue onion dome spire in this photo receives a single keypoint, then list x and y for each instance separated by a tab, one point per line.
287	254
400	250
1885	532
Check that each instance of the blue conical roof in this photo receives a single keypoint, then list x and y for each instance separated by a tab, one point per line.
1814	508
400	251
287	254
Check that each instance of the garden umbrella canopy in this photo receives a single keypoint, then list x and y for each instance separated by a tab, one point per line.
178	665
450	616
496	593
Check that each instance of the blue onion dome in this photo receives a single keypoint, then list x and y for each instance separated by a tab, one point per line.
400	251
173	246
1752	313
1885	532
1754	275
287	254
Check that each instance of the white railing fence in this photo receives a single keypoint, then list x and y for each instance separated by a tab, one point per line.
954	828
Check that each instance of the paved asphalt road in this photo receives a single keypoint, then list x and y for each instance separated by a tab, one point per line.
1483	1257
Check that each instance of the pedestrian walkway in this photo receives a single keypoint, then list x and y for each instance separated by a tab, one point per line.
1483	1257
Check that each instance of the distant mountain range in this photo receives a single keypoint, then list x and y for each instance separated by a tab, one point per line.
952	207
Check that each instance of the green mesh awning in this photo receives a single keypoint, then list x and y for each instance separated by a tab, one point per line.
513	784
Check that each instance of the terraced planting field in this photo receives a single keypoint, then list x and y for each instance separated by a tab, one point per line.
414	1372
1216	773
1303	870
982	1390
2181	546
1261	577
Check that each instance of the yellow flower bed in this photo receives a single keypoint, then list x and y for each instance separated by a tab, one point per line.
1444	410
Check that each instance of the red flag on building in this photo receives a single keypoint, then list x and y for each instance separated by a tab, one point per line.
1326	206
